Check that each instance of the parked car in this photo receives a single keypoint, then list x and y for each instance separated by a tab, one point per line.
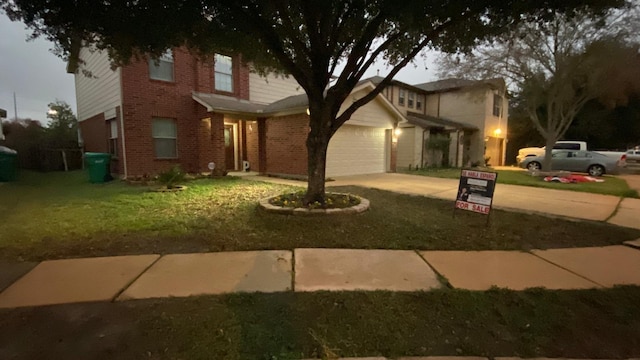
591	162
563	145
632	157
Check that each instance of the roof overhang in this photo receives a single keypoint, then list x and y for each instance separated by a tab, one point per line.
228	105
297	104
428	121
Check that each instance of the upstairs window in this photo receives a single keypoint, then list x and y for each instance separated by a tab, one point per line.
419	102
162	67
113	137
497	105
223	70
412	98
165	138
401	96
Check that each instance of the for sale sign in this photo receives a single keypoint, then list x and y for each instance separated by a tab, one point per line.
475	191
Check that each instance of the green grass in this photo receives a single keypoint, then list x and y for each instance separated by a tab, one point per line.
611	186
600	324
57	215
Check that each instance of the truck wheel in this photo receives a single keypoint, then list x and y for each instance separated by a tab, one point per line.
595	170
534	165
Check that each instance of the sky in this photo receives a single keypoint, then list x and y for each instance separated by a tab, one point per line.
38	77
29	69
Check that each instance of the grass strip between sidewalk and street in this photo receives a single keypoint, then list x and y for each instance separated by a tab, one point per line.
570	324
611	185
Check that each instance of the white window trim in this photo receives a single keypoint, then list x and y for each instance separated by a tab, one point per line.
498	105
216	72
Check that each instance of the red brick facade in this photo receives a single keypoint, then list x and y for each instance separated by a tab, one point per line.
286	144
271	145
96	132
199	134
253	145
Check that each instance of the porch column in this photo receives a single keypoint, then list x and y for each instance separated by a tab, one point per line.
262	145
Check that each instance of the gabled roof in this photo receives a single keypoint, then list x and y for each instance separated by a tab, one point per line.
375	80
295	104
427	121
455	84
227	104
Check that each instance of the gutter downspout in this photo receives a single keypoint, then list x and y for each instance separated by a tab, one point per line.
422	152
124	147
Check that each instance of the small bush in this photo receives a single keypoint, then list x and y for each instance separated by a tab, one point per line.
171	177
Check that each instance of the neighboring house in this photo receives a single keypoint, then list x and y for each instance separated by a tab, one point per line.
472	114
151	115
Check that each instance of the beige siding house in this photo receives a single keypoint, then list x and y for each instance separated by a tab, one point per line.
472	115
99	91
269	89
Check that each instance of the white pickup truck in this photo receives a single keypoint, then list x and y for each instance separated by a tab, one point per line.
563	145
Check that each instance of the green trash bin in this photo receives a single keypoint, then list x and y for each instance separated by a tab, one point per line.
8	164
99	167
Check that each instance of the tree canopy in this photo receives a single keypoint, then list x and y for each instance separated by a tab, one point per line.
308	39
557	66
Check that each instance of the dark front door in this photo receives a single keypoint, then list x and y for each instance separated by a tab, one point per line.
229	149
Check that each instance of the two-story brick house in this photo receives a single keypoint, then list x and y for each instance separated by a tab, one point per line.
183	110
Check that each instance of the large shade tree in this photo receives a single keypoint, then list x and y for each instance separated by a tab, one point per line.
557	66
311	40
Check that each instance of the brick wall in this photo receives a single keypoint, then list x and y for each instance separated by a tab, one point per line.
95	132
252	143
144	99
204	78
286	144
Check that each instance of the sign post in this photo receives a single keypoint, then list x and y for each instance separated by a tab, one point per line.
475	191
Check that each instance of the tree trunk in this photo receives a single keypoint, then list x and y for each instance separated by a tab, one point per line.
546	163
317	145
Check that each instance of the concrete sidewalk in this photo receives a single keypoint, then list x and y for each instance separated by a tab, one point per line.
566	203
121	278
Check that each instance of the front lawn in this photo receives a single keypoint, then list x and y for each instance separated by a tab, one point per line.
58	215
583	324
611	185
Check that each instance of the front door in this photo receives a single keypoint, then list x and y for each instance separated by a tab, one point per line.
229	148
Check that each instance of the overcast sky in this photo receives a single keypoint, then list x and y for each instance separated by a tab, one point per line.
38	77
30	70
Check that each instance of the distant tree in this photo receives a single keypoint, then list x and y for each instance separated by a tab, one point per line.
558	66
26	137
62	129
308	39
608	128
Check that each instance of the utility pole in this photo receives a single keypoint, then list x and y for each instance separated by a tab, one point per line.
15	106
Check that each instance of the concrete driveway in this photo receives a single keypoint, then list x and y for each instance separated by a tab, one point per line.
524	198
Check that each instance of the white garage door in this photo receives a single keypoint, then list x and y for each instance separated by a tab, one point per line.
357	150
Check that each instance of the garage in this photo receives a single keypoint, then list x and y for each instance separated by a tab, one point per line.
357	150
